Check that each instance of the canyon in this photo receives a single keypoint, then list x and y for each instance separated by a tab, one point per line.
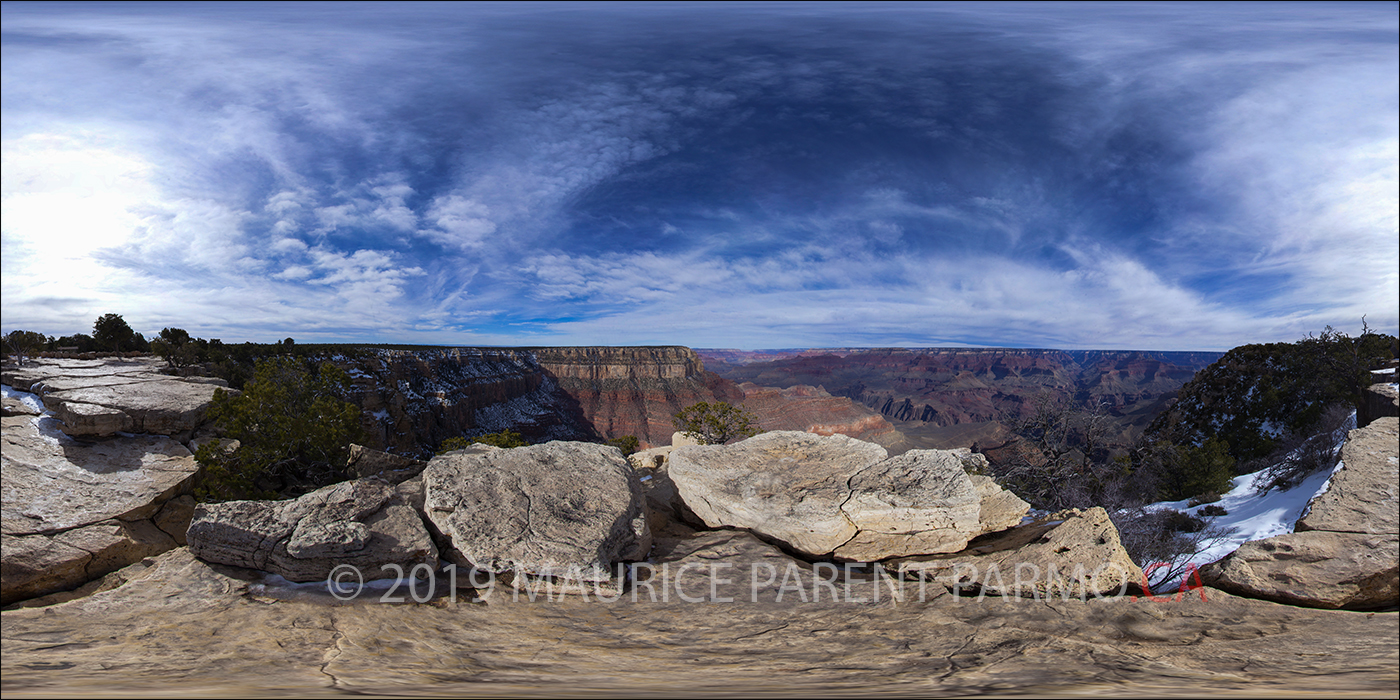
960	397
414	400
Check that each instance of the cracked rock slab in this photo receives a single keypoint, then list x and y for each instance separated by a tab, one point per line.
36	565
1319	569
362	523
835	495
52	483
566	509
165	406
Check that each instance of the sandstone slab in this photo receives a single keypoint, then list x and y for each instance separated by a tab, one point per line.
359	523
1074	555
1364	495
921	502
564	509
786	485
73	373
999	509
1321	569
52	483
86	419
179	626
36	565
835	495
165	406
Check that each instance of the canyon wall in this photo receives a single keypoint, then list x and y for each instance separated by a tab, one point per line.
618	391
413	400
941	397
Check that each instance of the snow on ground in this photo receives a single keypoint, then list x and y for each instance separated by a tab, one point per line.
1251	515
23	397
45	421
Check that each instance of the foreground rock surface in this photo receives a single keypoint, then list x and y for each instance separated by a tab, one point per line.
835	495
568	509
75	511
363	523
1074	554
180	626
1345	552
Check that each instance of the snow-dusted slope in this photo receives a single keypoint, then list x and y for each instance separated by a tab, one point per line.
1251	515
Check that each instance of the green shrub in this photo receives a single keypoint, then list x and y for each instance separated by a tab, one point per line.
627	443
294	429
715	423
452	444
1199	470
506	438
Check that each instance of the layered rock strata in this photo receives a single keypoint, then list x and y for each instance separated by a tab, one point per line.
620	391
363	523
1345	550
813	410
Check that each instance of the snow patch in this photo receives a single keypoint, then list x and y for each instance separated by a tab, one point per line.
24	397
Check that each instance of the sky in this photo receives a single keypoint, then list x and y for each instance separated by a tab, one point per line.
1102	176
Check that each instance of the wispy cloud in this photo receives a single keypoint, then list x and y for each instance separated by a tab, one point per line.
1129	176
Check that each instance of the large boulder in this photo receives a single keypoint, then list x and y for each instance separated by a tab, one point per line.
838	496
362	523
785	485
562	509
1343	553
1073	554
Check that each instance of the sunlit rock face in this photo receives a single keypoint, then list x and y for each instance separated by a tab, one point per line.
79	500
837	496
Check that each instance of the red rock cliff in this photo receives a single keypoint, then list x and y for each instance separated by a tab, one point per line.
634	390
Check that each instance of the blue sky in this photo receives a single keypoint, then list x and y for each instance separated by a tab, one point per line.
1171	177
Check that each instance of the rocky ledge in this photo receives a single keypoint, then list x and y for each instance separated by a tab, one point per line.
83	495
1345	550
99	398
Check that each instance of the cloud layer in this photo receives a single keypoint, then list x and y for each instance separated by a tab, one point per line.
1140	176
